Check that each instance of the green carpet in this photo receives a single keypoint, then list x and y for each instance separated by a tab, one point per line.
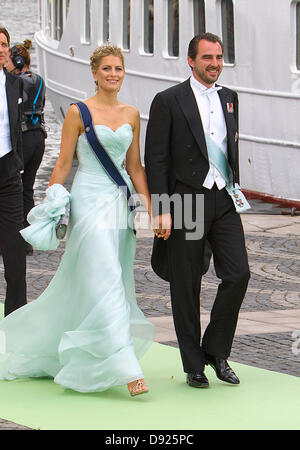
264	400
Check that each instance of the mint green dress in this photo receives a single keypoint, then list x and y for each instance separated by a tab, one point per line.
86	329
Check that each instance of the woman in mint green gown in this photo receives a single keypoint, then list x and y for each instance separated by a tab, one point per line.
86	329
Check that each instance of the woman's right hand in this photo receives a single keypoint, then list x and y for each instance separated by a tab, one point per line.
162	225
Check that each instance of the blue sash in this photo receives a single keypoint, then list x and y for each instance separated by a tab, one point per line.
101	154
219	160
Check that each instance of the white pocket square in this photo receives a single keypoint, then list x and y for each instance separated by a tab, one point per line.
20	100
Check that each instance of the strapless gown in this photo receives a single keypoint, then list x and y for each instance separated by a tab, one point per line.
86	329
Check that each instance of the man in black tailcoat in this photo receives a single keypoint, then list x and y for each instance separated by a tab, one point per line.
182	120
12	245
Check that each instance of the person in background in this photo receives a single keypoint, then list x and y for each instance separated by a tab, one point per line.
33	129
12	246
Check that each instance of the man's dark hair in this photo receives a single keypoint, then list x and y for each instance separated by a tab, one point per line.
4	31
193	45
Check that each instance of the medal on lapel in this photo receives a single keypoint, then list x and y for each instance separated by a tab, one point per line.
230	107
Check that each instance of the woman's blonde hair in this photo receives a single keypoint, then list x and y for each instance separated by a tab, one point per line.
101	52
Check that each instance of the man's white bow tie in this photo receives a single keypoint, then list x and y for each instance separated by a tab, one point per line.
210	90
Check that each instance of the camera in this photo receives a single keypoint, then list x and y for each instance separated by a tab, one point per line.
17	59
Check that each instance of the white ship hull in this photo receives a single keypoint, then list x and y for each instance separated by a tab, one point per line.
264	74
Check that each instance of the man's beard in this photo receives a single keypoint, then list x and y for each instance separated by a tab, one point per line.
205	76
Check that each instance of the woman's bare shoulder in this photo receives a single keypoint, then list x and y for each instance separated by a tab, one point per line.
73	111
131	110
132	114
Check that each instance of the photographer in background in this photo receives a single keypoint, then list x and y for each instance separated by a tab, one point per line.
33	130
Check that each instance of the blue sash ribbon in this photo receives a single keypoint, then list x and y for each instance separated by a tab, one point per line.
218	159
102	155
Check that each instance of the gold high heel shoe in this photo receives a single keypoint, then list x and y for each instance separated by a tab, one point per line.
137	387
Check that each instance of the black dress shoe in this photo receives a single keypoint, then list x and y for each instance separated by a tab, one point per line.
197	379
222	369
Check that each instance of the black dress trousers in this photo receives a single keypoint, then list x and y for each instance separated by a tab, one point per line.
224	232
12	245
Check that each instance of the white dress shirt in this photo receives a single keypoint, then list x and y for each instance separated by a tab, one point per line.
214	125
5	141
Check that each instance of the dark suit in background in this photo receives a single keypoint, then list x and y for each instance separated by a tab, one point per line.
12	245
176	161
